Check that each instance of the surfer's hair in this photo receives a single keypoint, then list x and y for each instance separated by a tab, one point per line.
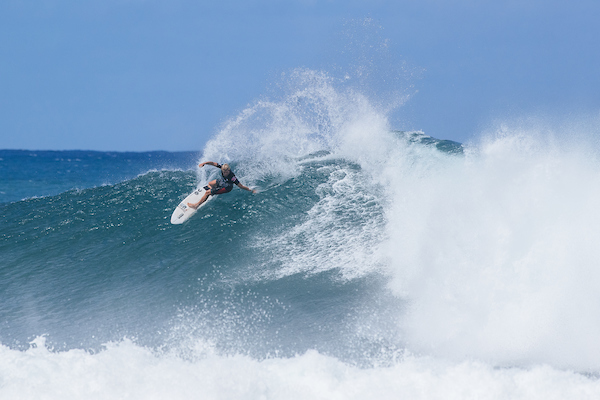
225	167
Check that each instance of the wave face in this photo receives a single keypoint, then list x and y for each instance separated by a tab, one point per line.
371	260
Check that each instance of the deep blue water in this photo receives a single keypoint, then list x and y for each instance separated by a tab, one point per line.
28	173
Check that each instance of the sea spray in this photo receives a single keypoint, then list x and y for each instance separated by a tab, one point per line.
310	116
496	253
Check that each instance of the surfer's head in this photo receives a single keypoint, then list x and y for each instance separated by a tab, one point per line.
225	169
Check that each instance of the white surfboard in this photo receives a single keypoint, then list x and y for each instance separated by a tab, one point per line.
182	212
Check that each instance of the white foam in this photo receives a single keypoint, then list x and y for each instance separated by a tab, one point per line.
338	232
497	253
125	370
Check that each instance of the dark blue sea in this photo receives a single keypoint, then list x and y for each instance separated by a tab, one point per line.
372	263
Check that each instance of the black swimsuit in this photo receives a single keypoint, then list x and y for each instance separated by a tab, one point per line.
224	184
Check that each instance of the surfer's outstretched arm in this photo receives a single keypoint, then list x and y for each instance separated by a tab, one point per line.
214	164
245	187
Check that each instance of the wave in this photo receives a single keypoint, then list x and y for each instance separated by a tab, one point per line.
370	255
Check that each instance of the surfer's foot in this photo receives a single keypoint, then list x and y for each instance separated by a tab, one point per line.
194	206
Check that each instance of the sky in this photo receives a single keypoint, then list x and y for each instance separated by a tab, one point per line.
140	75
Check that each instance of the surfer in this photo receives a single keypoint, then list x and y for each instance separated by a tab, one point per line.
221	185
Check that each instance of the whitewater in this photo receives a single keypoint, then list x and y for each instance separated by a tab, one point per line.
372	262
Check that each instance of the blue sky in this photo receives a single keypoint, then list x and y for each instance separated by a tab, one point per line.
163	75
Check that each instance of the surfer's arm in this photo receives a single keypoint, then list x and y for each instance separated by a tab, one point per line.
244	187
214	164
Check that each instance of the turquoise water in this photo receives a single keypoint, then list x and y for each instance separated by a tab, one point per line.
89	266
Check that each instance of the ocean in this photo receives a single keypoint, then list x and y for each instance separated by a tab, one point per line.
371	264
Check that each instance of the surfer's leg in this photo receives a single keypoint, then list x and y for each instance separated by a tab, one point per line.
202	200
209	189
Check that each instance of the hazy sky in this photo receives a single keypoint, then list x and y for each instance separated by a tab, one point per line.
163	75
